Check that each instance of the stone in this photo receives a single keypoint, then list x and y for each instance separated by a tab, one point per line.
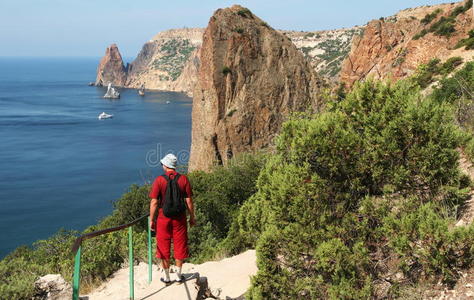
52	287
388	50
111	68
250	79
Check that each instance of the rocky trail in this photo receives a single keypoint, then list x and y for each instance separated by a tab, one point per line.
225	279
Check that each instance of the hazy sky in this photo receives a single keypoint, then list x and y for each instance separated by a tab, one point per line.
86	27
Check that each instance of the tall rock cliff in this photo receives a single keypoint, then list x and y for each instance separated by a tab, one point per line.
394	47
162	61
251	77
111	68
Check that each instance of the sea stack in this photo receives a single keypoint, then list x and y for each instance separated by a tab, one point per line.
251	77
111	68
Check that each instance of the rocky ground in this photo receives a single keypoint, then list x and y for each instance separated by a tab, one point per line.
225	279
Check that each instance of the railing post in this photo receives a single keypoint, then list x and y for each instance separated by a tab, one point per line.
149	251
77	275
130	259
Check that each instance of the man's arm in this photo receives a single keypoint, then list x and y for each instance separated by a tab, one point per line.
190	205
153	206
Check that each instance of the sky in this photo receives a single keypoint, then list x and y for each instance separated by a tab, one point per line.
86	27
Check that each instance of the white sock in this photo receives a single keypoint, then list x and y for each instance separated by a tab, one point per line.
178	273
167	274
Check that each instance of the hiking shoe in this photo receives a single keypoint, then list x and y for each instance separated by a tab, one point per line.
166	282
179	279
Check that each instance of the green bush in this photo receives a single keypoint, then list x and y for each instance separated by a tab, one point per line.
468	42
226	70
218	196
430	17
381	155
245	12
458	90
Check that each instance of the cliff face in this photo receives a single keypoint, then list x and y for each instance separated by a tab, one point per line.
169	61
251	77
111	69
326	49
162	60
394	47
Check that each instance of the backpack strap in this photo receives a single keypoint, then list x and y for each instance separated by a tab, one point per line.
166	177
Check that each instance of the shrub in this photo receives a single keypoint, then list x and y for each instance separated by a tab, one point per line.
226	70
376	157
450	64
458	90
430	17
245	12
218	196
467	42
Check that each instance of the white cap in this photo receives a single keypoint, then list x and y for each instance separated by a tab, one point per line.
169	161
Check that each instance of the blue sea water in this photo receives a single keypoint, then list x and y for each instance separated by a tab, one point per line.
61	167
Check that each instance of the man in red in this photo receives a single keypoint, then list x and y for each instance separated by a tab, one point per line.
174	228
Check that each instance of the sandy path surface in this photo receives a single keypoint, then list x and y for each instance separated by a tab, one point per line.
227	278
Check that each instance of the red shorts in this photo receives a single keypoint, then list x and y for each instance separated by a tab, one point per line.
171	228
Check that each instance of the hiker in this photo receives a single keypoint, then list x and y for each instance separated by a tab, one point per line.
170	199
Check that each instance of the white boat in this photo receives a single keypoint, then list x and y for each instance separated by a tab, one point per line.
168	102
103	116
111	93
141	91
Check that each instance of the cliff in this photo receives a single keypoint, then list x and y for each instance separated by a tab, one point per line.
162	61
394	47
325	49
251	77
168	61
111	69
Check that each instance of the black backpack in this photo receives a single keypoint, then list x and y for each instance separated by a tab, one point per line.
173	204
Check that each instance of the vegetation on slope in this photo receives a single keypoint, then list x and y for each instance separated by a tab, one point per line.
177	53
358	201
445	26
217	195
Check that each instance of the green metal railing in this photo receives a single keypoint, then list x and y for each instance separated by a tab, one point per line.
76	249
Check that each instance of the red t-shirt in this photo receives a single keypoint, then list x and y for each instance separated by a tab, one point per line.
158	189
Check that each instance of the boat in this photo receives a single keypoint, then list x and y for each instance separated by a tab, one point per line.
111	93
104	116
91	83
168	102
141	90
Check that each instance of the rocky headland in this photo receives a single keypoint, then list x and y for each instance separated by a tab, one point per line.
394	47
251	78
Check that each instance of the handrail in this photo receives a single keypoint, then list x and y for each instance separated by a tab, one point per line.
90	235
76	250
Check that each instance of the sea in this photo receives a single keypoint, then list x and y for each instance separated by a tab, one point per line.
62	167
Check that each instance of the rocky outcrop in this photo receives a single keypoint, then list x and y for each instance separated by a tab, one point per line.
251	77
163	59
187	80
394	47
111	68
325	49
52	287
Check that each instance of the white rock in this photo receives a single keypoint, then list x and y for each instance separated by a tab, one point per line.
53	287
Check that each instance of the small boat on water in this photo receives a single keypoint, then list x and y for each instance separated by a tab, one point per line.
168	102
91	83
104	116
111	93
141	90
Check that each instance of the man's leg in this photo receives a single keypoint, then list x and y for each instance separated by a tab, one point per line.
180	241
163	243
165	263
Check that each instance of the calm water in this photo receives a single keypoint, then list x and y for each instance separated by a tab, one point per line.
59	165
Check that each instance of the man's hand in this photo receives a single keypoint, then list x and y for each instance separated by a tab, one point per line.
192	221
